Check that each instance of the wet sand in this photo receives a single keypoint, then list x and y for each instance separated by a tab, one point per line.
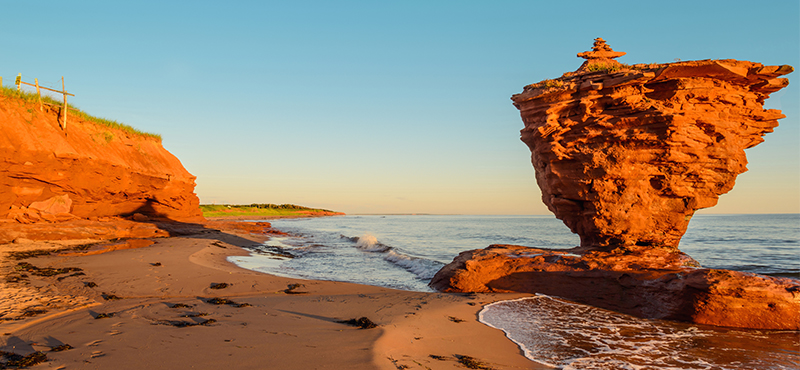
153	307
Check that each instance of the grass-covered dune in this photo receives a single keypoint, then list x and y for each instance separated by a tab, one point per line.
262	210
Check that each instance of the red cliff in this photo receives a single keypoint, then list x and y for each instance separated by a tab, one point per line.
48	174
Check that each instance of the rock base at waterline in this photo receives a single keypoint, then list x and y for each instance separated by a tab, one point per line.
653	283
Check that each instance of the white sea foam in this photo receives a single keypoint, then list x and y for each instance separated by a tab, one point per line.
568	335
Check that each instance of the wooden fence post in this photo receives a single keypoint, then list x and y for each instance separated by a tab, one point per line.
38	92
64	89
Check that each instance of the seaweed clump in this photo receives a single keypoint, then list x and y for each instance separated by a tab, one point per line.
221	301
47	271
186	324
292	289
31	313
361	322
110	297
472	362
14	360
61	348
21	255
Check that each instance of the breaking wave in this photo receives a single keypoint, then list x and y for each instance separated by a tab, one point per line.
423	268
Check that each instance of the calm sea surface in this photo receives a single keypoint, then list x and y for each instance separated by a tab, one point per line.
404	252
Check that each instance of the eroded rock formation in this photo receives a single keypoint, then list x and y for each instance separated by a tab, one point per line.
650	282
88	171
625	155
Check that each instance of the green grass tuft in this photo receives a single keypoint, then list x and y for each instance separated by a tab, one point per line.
33	98
610	68
546	84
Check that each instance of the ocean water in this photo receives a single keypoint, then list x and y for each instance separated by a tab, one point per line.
405	251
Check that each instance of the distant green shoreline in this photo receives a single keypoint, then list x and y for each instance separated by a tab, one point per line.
262	210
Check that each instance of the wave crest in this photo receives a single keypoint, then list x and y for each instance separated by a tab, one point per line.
370	243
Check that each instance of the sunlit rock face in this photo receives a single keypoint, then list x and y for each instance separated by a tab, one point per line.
625	155
51	174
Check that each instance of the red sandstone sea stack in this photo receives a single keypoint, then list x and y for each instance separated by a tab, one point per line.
625	155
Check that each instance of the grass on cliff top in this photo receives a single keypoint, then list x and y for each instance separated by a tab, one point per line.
255	210
33	98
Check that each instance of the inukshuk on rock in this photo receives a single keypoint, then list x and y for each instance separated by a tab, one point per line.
625	155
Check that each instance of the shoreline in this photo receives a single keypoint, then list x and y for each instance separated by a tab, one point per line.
276	326
258	218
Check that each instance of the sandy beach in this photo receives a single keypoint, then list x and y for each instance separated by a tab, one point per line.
134	306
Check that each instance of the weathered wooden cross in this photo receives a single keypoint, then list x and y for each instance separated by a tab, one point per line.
63	91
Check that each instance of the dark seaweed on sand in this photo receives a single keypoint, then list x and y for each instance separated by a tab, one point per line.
472	362
110	297
47	271
71	275
292	289
60	348
219	285
14	360
15	278
221	301
104	315
186	324
31	313
180	305
361	322
196	314
90	284
16	256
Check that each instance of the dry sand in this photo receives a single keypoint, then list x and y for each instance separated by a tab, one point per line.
139	288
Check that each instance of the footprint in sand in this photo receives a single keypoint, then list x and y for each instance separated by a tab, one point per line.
96	354
114	332
93	343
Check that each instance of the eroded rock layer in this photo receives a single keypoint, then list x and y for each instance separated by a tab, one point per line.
85	171
625	155
655	283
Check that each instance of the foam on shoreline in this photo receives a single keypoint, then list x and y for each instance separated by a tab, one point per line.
568	335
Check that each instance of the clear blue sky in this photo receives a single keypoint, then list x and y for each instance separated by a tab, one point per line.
380	107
